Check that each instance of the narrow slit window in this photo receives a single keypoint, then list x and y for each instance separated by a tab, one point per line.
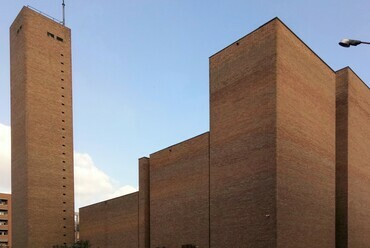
19	29
59	39
51	35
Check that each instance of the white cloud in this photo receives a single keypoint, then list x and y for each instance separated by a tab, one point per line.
91	184
5	158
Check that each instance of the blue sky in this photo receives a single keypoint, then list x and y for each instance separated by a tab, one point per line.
140	68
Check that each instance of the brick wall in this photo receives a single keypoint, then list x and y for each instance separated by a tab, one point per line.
305	152
144	199
243	141
179	194
272	143
112	223
353	167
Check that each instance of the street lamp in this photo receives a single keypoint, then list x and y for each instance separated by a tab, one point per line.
349	42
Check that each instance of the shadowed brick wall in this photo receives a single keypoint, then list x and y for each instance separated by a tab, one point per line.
179	194
353	156
144	199
112	223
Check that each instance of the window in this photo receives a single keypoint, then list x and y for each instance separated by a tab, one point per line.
19	29
3	212
50	35
59	39
4	202
3	222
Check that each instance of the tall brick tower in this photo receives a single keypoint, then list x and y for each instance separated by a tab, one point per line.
42	136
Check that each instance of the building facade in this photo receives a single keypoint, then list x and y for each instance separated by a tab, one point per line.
285	163
42	137
5	220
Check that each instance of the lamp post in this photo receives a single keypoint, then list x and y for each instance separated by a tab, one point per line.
349	42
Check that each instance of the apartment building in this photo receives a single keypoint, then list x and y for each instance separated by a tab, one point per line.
5	221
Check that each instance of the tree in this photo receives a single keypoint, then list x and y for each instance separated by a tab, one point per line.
78	244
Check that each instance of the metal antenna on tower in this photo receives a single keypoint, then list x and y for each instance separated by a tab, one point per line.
64	13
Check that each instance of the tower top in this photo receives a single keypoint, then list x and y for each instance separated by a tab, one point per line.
46	15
